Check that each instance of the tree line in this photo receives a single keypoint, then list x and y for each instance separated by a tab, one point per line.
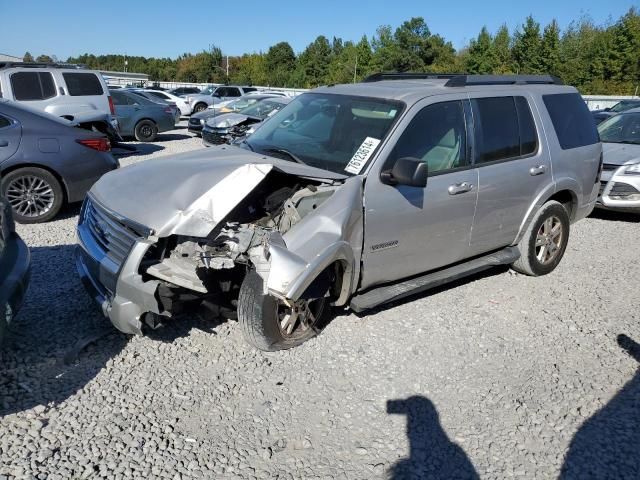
597	59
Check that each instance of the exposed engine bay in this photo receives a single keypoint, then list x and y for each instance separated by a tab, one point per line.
213	267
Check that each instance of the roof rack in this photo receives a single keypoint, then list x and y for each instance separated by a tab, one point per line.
41	65
378	77
462	79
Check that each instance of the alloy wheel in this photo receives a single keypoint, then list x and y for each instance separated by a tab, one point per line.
549	240
30	196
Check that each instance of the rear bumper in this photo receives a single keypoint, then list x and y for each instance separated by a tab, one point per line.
15	265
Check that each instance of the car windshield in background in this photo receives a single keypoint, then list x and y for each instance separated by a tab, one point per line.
623	128
624	106
338	133
262	109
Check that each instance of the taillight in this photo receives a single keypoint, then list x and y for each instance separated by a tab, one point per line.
111	107
168	110
100	144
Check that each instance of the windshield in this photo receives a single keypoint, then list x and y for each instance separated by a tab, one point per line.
208	91
623	106
262	109
239	104
623	128
339	133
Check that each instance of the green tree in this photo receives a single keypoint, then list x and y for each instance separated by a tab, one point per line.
550	49
315	60
27	57
481	55
527	48
280	61
44	59
502	51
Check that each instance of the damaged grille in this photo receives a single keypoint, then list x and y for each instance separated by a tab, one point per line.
115	239
622	190
213	138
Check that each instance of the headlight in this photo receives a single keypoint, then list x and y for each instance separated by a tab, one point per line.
633	169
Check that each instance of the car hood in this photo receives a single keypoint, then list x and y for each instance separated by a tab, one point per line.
188	194
203	115
226	120
620	153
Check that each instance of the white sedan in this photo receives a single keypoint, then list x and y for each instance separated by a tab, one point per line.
181	103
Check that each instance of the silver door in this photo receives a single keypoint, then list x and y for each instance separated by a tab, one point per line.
513	168
410	230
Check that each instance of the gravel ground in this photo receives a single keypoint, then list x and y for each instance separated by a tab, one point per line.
498	376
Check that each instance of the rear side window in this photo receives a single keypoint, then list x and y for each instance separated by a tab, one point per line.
527	127
571	120
497	134
32	86
82	84
4	122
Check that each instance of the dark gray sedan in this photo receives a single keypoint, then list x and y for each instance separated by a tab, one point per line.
14	268
141	118
45	161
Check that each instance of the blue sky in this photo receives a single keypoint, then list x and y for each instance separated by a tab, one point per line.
170	28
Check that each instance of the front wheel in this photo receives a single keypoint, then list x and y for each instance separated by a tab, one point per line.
269	324
200	107
545	241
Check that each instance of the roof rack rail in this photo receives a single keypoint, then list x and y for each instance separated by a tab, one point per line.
41	65
465	80
378	77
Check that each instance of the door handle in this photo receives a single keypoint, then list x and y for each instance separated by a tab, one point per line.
460	188
4	143
538	170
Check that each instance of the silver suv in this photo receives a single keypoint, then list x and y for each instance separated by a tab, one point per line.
352	195
201	101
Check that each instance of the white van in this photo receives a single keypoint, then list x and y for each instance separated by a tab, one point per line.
61	90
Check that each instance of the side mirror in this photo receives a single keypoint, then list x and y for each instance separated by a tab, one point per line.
608	109
407	171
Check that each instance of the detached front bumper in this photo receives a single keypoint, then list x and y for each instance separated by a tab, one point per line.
619	191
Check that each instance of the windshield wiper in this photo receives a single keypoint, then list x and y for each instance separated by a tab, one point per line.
244	142
293	156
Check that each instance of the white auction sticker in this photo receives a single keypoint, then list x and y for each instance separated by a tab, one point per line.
362	155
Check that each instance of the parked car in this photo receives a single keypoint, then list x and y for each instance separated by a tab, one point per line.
160	101
354	195
230	127
14	268
181	103
62	90
141	118
201	101
45	161
601	115
185	91
197	120
620	179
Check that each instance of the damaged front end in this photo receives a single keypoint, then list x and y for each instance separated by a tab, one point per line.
293	231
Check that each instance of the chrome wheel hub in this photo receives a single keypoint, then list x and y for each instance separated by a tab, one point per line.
300	317
549	240
30	196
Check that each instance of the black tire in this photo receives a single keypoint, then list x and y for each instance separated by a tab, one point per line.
146	131
199	107
258	318
530	261
46	194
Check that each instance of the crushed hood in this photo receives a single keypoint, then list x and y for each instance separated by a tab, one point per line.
225	120
189	194
620	153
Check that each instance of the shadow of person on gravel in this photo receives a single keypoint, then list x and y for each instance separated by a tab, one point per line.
431	454
608	444
59	340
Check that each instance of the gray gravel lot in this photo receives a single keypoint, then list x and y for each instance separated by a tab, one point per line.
498	376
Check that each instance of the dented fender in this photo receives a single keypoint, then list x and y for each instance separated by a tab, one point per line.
333	233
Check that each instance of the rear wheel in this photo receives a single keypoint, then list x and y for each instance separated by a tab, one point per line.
269	324
35	194
545	241
146	131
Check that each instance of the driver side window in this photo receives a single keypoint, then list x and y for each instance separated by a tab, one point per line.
436	135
